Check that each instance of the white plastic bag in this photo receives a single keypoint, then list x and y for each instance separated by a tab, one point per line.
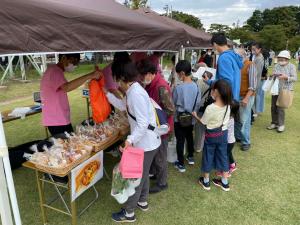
122	188
275	88
172	154
20	112
268	84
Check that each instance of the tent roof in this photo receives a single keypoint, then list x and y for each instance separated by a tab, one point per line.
197	38
34	26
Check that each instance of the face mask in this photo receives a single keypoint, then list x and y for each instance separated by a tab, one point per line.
209	53
70	68
283	63
146	82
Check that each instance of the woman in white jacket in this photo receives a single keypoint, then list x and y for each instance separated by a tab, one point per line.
141	119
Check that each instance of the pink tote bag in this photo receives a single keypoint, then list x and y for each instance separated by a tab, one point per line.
132	161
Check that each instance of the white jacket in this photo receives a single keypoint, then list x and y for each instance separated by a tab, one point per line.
140	106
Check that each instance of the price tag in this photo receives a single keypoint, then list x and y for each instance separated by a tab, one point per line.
85	93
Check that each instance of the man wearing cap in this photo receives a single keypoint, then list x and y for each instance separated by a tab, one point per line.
287	75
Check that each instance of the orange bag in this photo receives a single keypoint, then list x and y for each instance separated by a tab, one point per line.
100	106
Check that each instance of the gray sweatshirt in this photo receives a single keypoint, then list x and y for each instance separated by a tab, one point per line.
184	96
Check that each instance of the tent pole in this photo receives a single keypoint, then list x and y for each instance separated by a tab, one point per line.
9	178
36	66
4	200
10	66
10	60
177	57
183	53
22	67
44	63
56	58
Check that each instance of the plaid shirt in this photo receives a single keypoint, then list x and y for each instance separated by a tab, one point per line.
290	71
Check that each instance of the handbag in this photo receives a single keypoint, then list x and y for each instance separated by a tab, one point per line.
268	84
285	99
131	165
185	119
161	118
208	100
275	88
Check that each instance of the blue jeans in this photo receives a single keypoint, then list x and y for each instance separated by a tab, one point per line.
214	154
242	128
260	98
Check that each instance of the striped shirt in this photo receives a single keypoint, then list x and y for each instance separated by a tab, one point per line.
259	63
290	71
252	77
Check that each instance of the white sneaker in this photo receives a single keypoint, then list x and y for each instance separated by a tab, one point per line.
272	126
280	129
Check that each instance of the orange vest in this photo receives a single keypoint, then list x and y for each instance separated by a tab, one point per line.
245	78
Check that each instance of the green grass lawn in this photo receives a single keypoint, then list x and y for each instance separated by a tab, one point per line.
264	189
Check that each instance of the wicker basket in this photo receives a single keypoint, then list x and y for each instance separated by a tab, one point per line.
62	171
107	143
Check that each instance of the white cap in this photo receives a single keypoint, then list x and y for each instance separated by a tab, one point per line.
284	54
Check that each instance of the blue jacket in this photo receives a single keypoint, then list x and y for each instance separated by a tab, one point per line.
229	69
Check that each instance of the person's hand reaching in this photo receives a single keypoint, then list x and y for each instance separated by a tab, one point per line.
127	144
97	75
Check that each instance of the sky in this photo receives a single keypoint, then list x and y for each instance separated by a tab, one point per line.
219	11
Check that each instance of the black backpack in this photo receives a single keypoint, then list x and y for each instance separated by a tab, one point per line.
208	100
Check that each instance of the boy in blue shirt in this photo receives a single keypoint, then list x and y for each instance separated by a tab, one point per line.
229	65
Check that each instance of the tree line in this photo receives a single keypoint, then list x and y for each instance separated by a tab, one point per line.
277	28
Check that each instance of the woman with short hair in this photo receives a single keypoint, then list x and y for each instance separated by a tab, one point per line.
140	115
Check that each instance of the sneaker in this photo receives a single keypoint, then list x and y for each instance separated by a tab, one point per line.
142	207
190	160
280	129
180	167
232	168
120	217
206	186
158	188
245	147
272	126
219	183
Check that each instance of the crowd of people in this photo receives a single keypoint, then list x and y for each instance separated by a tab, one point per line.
208	115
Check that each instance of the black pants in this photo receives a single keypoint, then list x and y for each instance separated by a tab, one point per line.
182	134
54	130
229	153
